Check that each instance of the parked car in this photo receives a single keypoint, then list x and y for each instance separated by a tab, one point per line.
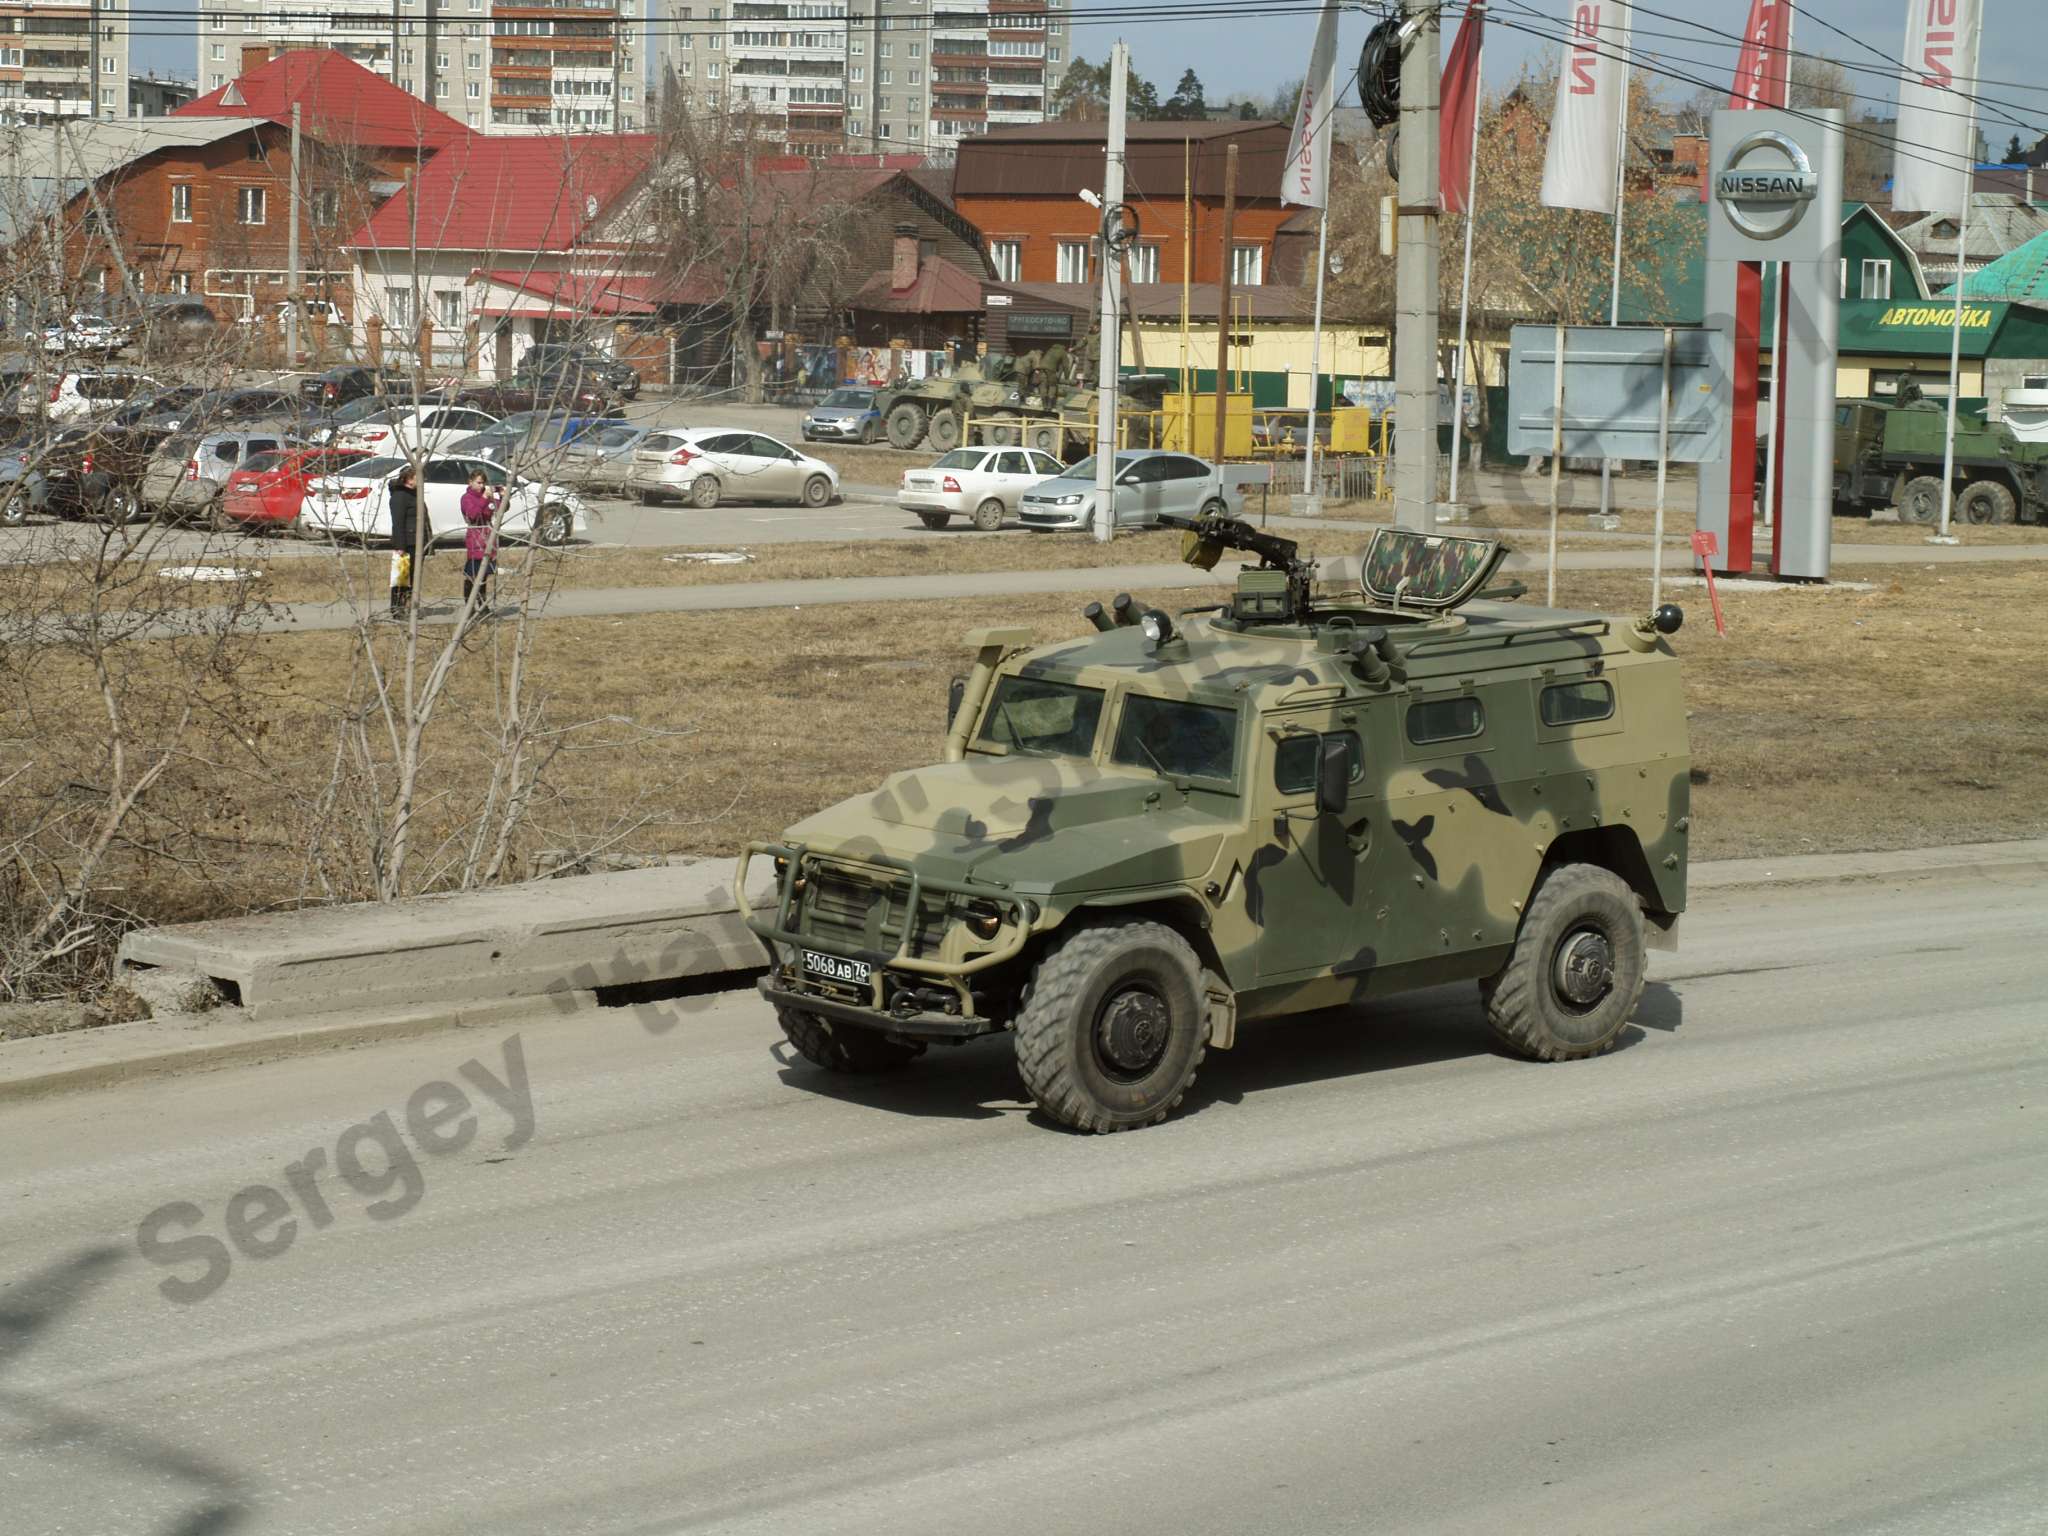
189	470
844	416
532	441
85	334
144	404
95	471
355	500
549	357
266	490
566	386
77	394
498	400
706	465
176	322
338	386
984	484
19	458
328	424
600	459
1148	482
412	428
225	408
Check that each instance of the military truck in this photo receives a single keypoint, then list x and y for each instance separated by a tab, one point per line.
1892	455
1307	797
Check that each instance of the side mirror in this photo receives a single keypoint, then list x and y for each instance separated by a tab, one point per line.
956	695
1333	777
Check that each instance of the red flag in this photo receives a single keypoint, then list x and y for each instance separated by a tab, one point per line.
1760	75
1460	99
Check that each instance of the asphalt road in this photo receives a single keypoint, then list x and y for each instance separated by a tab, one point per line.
1779	1264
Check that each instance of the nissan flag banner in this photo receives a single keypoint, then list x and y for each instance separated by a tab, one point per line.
1760	76
1592	94
1307	178
1937	134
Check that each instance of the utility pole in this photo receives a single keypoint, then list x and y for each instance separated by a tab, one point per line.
1223	301
1109	334
1415	275
295	281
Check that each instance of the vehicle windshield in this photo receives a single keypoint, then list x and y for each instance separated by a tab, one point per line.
1177	739
961	458
1042	717
389	416
356	410
261	463
368	469
619	437
1085	470
853	398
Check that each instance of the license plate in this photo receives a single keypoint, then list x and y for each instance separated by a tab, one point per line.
832	968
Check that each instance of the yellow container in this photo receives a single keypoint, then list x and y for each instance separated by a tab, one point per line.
1237	425
1351	430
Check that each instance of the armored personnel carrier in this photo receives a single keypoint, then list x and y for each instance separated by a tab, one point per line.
1310	796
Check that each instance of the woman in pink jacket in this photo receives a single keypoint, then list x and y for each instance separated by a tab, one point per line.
479	507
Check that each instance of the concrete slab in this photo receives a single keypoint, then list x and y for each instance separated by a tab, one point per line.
521	941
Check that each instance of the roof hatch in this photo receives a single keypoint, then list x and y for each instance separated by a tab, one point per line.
1405	569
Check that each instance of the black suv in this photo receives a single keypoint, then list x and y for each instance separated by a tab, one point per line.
554	358
95	472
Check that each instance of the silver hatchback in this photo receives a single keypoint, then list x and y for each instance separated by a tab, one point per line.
188	472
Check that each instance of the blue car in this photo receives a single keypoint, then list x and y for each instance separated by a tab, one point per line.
846	415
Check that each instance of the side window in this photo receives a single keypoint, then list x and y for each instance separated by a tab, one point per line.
429	420
1295	760
1046	464
767	448
226	451
723	442
446	472
262	445
1012	464
1186	469
1445	720
1577	703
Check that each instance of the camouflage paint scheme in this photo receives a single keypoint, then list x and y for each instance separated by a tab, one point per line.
1422	879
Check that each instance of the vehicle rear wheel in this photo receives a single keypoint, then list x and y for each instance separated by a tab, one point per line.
944	431
1001	432
649	498
1577	968
817	491
1114	1027
1920	501
1045	438
554	525
843	1047
988	517
119	507
934	519
704	492
867	433
1985	503
905	425
13	508
1215	506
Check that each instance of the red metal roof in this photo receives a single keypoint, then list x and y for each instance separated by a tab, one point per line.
519	192
339	102
580	293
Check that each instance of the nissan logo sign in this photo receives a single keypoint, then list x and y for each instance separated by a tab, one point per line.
1766	184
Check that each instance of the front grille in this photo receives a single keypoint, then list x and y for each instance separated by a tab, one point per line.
842	908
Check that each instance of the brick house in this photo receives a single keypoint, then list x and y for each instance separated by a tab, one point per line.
213	218
1020	187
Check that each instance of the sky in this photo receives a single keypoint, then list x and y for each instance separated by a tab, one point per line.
1241	54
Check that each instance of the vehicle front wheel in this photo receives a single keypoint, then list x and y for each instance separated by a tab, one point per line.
1576	972
554	526
905	425
817	491
843	1047
119	507
1114	1028
1985	503
704	492
988	517
1920	501
1045	438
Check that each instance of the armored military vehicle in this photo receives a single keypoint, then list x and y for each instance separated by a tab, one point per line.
1301	799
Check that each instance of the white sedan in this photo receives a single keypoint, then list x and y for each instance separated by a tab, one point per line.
356	500
412	429
981	483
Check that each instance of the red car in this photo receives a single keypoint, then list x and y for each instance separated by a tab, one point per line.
266	492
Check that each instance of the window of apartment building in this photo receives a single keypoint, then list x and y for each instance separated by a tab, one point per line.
440	87
178	282
405	56
1071	262
712	70
254	149
859	48
1145	264
1007	257
688	42
218	21
718	42
107	100
1248	265
471	120
1877	279
1052	55
398	306
914	105
884	76
249	205
857	101
881	130
217	51
326	203
885	50
881	103
181	202
440	61
625	93
472	29
916	77
449	302
857	73
917	50
917	130
474	60
216	81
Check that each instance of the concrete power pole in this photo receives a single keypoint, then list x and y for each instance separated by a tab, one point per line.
1415	275
295	289
1109	336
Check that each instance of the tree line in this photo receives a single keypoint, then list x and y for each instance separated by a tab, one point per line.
1082	96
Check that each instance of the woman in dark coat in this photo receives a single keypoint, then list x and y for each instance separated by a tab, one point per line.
405	520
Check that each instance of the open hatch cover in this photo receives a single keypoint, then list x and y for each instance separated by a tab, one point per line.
1427	570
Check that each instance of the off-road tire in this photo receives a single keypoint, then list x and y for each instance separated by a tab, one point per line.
817	491
1526	1006
704	492
1046	439
1985	503
934	520
1002	432
554	526
1920	501
988	517
944	432
904	425
843	1047
1061	1054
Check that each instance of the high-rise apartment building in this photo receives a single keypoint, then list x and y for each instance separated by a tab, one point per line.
527	67
60	61
898	76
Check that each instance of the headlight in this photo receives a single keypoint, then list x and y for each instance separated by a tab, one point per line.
1066	501
984	919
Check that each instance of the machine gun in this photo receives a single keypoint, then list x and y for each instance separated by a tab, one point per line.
1275	591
